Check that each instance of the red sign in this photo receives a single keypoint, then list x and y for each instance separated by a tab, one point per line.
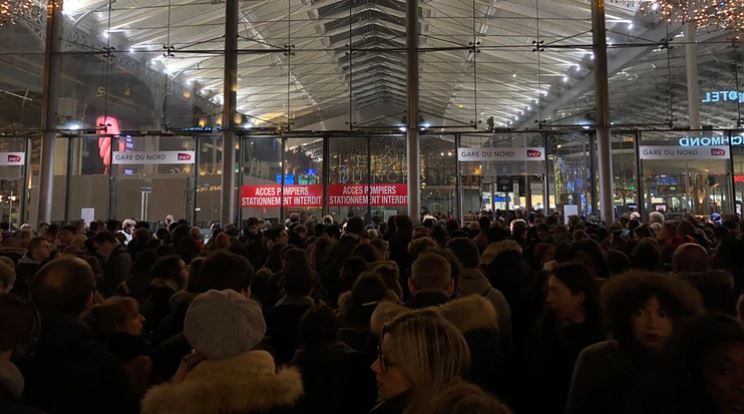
270	196
717	152
184	157
14	158
359	195
739	178
533	153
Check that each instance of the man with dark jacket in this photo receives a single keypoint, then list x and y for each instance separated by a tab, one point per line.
116	261
68	372
282	321
432	285
37	252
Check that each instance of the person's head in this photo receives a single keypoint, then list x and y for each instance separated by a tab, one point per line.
716	288
355	225
643	308
318	326
39	249
367	252
484	223
410	362
368	291
656	217
390	273
278	235
419	246
466	252
573	295
116	314
105	242
222	324
18	324
7	275
466	398
431	271
647	255
223	270
64	286
381	246
351	269
690	258
618	262
403	224
590	253
170	268
708	357
298	279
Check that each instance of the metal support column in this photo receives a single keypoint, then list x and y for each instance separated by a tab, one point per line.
50	78
641	201
25	191
602	103
326	172
546	179
412	135
458	183
230	87
194	215
693	88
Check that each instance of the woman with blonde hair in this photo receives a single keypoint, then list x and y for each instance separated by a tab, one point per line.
420	355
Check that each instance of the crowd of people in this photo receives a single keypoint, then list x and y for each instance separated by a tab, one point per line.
515	313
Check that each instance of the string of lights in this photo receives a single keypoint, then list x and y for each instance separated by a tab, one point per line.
11	11
711	15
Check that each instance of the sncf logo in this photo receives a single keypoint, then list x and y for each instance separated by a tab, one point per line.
534	154
14	158
717	152
184	157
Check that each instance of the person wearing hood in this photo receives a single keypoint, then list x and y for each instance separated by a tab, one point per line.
472	281
225	373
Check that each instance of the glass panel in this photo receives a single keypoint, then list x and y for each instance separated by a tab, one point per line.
153	177
570	169
89	179
625	184
209	181
511	166
438	175
260	195
21	66
303	185
389	173
348	180
685	173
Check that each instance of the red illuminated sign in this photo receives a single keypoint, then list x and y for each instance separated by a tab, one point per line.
359	195
739	178
270	196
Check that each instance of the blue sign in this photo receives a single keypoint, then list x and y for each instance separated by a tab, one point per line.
289	179
724	96
501	199
312	171
736	140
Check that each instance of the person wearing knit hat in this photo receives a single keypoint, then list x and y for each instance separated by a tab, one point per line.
225	374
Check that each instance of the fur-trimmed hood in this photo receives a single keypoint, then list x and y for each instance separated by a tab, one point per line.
246	383
467	313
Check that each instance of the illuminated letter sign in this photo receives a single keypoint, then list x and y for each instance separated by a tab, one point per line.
723	96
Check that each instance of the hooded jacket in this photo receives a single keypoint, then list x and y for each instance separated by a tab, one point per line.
245	384
473	282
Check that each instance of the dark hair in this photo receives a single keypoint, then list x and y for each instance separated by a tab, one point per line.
624	295
355	225
484	223
63	286
590	253
168	268
646	255
223	270
18	321
298	279
34	243
579	279
717	289
105	317
274	233
617	261
367	292
367	252
317	326
466	251
403	224
351	269
104	236
145	260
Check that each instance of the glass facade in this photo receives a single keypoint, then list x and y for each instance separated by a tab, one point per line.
322	109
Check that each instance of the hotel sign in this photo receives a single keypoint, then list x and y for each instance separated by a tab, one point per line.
723	96
501	154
